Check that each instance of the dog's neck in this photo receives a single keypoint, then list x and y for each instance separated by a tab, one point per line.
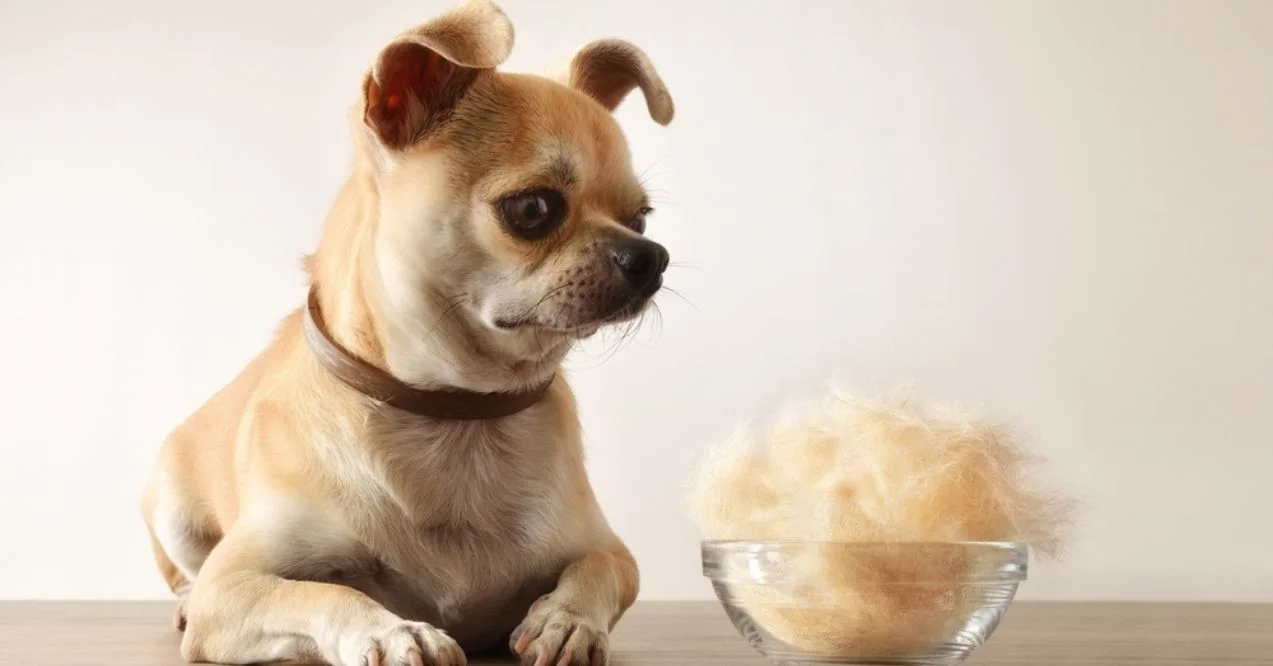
437	347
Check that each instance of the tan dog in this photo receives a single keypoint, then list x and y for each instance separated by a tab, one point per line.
492	219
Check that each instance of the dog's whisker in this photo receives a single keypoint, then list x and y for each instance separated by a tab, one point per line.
530	312
451	308
659	198
644	176
682	297
626	334
611	342
658	318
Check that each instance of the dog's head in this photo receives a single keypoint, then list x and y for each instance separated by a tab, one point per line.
509	197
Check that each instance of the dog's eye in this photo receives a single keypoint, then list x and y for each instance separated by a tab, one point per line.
533	215
637	223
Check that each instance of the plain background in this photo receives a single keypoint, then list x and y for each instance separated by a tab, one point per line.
1057	213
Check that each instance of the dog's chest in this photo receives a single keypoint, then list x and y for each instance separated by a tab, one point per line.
473	478
469	520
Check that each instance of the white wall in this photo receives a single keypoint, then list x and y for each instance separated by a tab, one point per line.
1057	212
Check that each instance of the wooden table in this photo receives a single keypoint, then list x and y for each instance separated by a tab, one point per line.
688	634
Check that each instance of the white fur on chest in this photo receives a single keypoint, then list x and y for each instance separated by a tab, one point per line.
464	512
469	475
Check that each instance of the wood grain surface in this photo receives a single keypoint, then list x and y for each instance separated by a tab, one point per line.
688	633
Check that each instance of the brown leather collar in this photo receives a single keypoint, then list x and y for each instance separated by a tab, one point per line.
371	381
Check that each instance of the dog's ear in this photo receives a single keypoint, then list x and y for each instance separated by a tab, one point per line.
608	69
422	74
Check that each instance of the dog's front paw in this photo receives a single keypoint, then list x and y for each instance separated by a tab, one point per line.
400	643
552	635
179	614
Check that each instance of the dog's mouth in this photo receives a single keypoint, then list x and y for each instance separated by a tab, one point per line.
636	303
617	312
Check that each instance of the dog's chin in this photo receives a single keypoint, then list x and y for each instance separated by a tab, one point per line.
576	327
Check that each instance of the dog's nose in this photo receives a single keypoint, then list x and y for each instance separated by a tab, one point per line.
640	260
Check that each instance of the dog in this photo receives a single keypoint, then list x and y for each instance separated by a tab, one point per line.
398	477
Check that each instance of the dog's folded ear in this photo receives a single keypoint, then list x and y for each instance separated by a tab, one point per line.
608	69
421	75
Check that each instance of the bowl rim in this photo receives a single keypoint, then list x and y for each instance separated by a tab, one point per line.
1004	545
1014	569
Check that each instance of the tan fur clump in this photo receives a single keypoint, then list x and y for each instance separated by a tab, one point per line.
874	471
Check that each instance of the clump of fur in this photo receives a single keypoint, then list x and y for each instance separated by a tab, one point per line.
872	471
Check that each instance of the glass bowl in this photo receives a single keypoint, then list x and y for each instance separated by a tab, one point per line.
865	603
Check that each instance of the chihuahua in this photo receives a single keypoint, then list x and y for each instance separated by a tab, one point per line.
398	477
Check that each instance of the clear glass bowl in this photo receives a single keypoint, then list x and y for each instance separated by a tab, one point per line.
865	603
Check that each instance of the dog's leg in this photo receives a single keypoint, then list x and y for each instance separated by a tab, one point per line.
571	625
241	611
177	581
179	544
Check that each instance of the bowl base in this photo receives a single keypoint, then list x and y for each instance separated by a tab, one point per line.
926	660
952	658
